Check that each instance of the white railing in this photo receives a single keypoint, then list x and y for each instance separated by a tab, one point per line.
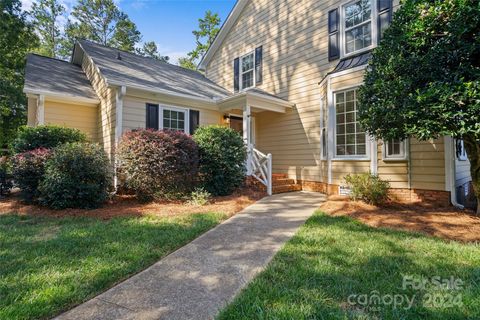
261	168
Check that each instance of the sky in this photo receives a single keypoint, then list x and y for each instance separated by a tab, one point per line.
167	22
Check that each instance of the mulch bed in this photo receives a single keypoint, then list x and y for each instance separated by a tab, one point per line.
448	223
126	205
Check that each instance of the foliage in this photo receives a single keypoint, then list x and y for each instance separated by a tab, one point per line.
367	187
339	268
158	163
67	260
45	16
199	197
222	159
423	79
29	138
77	175
150	50
6	182
208	28
16	40
100	21
28	172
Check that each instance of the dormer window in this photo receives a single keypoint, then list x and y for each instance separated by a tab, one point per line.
357	26
247	75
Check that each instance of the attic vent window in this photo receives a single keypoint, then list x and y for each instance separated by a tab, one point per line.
119	57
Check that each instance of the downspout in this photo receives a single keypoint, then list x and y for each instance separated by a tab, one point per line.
121	91
450	172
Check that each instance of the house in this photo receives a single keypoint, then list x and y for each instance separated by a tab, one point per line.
283	73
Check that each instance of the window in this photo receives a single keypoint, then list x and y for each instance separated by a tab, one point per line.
357	26
350	138
460	150
174	119
247	71
394	149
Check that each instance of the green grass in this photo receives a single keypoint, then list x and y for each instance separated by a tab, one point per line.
48	265
331	258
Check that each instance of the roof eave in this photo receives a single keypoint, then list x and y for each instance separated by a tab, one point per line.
60	96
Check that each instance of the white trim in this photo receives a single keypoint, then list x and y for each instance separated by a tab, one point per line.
247	137
41	110
121	91
186	111
62	97
222	34
241	72
404	147
373	20
330	128
323	129
374	156
450	173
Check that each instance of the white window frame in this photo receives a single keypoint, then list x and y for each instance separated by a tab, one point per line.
343	30
463	155
323	129
241	72
368	139
404	151
186	111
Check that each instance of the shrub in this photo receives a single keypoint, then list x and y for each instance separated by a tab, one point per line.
367	187
222	159
6	182
77	175
158	164
28	170
30	138
199	197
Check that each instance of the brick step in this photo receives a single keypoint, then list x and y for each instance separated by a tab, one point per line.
282	182
277	176
286	188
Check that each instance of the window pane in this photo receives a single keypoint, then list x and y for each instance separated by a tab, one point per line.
340	139
181	115
341	129
166	123
166	113
247	80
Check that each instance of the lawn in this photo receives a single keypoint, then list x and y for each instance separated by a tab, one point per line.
339	268
49	264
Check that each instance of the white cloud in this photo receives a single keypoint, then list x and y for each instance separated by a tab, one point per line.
27	4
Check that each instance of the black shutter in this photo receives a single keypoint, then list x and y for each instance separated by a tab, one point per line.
259	65
333	48
152	116
194	120
236	74
384	16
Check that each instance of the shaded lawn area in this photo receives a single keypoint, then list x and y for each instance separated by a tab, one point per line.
328	268
50	264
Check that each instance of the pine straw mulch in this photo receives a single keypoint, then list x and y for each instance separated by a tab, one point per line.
447	222
126	205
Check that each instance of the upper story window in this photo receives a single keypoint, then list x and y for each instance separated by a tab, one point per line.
350	138
247	74
357	26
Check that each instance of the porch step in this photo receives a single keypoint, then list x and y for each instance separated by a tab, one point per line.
282	181
286	188
279	176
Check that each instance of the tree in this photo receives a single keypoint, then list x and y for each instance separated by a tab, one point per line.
208	28
45	15
16	40
423	79
150	50
101	21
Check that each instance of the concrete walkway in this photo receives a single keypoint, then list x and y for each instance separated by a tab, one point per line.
199	279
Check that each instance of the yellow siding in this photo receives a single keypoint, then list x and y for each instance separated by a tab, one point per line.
106	111
32	112
75	116
427	164
134	112
395	172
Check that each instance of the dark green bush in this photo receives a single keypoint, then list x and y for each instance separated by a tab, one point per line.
49	137
6	182
158	164
367	187
77	175
222	159
28	171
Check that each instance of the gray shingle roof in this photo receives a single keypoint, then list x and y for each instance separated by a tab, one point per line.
134	70
43	74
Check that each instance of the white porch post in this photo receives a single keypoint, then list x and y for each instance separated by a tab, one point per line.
247	136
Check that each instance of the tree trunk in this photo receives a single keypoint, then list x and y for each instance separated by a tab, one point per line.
472	146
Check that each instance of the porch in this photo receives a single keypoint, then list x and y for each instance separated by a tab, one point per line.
239	112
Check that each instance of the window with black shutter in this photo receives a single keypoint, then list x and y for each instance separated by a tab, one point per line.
152	116
384	16
194	120
236	74
333	34
259	65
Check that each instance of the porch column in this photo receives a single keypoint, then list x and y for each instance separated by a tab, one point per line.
247	136
41	110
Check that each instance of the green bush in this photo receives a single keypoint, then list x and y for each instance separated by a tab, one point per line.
77	175
49	137
6	182
222	159
158	164
28	171
367	187
199	197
